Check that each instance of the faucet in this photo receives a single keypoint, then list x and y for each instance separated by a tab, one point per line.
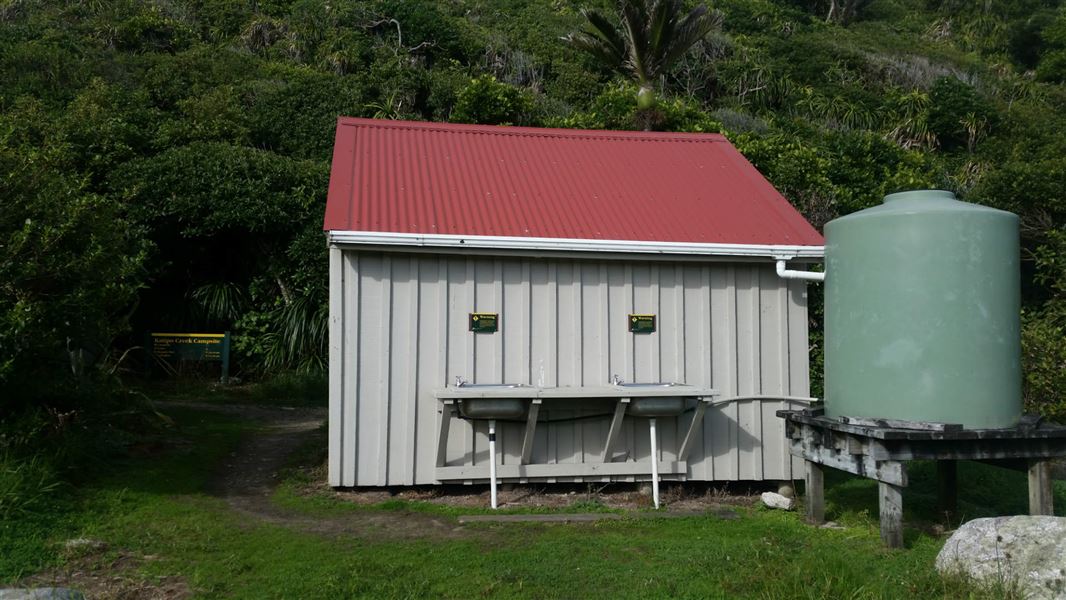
616	380
459	381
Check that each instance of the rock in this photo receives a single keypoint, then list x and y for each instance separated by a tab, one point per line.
84	544
774	500
41	594
786	489
1029	552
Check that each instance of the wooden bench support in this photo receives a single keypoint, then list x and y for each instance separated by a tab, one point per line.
890	502
693	428
878	449
641	471
446	414
615	430
1040	499
814	484
531	429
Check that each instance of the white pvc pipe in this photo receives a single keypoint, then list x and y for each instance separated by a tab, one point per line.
492	460
654	464
784	273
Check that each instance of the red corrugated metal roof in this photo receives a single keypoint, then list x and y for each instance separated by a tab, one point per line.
476	180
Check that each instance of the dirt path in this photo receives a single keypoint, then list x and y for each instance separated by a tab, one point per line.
248	478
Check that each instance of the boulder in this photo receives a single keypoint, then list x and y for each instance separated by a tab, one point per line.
84	545
786	489
41	594
774	500
1029	552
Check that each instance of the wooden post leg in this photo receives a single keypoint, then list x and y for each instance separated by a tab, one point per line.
1040	499
891	504
531	429
615	430
446	413
815	492
947	493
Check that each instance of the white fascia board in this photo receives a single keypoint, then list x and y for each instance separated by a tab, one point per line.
375	238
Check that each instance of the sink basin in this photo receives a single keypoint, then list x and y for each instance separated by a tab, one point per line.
669	406
483	386
647	385
493	408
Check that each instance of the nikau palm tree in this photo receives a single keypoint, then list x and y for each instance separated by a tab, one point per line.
651	37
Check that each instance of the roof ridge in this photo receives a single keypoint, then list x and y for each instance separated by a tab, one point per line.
546	132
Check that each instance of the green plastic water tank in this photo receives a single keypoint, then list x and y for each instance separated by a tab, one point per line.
922	312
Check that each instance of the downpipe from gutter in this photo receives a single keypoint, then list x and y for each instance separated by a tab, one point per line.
784	273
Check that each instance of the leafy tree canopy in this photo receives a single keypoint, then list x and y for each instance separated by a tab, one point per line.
164	164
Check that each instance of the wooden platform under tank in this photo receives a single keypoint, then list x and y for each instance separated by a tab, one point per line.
879	450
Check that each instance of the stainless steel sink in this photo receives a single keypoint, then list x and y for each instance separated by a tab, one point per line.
493	408
482	386
648	385
668	406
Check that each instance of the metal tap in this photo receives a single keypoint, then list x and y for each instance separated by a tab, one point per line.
616	380
459	381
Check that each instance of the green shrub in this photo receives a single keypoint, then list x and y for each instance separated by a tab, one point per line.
1043	330
25	484
293	389
152	31
490	102
1044	362
70	267
958	115
616	108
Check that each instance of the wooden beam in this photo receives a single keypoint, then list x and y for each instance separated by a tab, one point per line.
967	449
891	508
693	429
641	469
1041	501
616	428
531	429
901	424
863	465
814	484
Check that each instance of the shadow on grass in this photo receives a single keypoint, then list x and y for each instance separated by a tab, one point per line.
983	491
284	389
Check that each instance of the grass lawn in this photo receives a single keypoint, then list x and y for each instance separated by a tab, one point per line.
161	524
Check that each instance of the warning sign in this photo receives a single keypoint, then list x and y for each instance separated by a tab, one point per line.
642	323
484	322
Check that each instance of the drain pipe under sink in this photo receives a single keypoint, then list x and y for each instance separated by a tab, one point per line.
654	464
492	461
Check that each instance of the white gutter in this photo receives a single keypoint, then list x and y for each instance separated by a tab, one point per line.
580	245
784	273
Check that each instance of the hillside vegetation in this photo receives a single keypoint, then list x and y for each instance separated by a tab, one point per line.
164	164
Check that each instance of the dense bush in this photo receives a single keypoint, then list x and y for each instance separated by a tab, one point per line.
1043	331
165	164
958	115
490	102
70	267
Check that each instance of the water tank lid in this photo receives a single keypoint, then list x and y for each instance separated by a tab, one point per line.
924	195
908	204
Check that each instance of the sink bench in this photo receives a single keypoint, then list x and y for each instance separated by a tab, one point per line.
511	401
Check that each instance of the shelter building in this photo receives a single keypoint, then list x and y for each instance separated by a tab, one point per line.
551	265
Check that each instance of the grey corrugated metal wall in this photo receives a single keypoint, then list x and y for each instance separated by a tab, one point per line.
398	330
